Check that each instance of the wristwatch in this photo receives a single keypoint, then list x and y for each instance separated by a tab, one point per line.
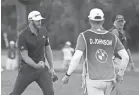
67	74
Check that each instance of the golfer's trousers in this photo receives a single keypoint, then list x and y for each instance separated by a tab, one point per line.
27	75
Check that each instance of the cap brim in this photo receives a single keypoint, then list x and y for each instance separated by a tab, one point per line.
120	20
38	18
95	19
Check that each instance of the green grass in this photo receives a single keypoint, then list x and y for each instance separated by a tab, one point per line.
129	87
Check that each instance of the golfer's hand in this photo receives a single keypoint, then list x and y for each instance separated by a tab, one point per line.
40	65
54	78
65	79
53	75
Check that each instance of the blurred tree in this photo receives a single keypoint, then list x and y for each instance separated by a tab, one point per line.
21	11
46	10
8	21
77	5
65	19
26	2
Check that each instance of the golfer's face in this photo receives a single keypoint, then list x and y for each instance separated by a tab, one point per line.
37	23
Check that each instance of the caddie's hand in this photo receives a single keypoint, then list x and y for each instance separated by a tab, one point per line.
65	79
119	79
132	67
40	65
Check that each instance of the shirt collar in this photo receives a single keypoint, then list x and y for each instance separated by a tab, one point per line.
32	33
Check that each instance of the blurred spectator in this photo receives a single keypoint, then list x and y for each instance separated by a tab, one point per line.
118	30
11	63
5	39
2	69
68	52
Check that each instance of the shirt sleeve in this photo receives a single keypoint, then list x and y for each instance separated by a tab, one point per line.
81	45
21	43
118	46
47	42
124	41
115	32
47	39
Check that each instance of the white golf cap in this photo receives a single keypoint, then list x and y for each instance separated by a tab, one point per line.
35	15
12	42
119	17
68	43
96	15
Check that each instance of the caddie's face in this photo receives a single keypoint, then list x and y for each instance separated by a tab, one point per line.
37	23
120	23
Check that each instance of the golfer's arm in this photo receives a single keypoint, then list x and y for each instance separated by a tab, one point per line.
124	61
27	59
75	61
49	56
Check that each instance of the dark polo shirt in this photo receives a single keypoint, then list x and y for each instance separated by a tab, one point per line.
122	37
34	44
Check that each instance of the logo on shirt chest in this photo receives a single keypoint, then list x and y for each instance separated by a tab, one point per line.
101	55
